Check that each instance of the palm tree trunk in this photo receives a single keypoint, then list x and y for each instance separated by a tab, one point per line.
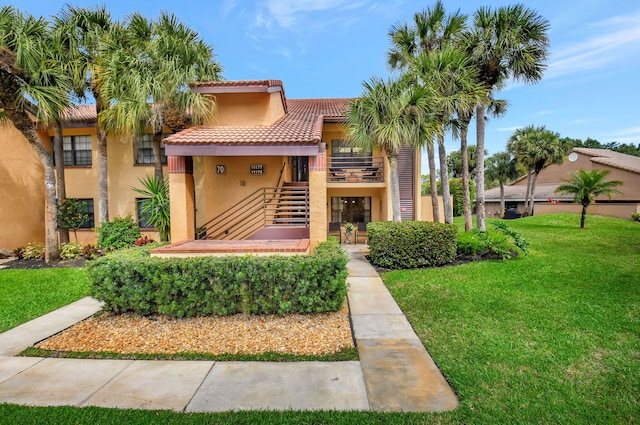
583	216
534	179
103	181
480	213
501	200
395	187
58	153
157	156
528	194
24	125
444	179
433	182
466	193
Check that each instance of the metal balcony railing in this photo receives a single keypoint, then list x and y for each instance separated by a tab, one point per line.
355	169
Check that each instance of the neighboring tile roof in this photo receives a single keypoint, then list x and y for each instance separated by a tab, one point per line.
518	192
302	124
242	83
612	159
80	113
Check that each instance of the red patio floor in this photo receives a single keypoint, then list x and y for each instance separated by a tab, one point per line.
227	247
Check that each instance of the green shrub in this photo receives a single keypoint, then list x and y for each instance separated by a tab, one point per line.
33	251
411	244
71	251
501	243
635	216
120	233
130	280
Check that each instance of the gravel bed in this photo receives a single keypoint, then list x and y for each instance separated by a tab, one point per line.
299	334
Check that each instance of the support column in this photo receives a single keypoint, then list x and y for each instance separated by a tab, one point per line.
181	194
318	199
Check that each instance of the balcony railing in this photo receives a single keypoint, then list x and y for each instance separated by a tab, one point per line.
355	169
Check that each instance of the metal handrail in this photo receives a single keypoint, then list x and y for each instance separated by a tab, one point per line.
268	206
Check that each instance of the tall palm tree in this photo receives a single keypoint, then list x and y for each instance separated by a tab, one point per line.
503	168
28	71
150	79
452	83
389	115
585	186
430	31
535	148
88	31
510	42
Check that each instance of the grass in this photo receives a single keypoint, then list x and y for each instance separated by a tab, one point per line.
346	354
551	337
27	294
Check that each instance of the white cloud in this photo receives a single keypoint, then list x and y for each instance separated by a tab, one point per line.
628	131
514	128
614	38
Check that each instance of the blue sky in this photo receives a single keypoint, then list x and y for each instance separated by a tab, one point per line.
327	48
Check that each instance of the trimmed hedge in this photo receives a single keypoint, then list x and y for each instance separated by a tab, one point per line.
186	287
411	244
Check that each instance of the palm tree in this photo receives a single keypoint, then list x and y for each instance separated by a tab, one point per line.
88	36
28	71
389	115
585	186
535	148
150	79
503	168
510	42
452	83
431	30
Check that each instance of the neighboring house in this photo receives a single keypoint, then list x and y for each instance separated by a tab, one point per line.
266	167
625	168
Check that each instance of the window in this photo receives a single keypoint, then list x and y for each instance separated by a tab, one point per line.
353	209
76	150
342	148
144	151
89	223
142	223
347	156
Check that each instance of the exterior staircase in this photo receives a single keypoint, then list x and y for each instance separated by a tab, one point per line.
268	213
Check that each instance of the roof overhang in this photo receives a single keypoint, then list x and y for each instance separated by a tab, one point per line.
245	150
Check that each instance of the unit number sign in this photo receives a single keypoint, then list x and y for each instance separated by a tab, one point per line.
256	169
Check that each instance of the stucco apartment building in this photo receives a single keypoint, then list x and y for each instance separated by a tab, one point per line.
623	167
266	167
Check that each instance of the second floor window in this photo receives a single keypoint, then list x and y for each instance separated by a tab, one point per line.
144	152
342	148
77	150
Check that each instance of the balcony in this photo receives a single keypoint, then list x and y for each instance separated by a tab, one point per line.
355	169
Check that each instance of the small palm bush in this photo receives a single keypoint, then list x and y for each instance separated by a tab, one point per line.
155	208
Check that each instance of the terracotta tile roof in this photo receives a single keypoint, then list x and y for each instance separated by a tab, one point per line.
302	124
612	159
242	83
80	113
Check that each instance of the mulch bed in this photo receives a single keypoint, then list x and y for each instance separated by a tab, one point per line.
41	264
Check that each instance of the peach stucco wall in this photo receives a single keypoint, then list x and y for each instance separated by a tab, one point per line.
21	191
247	109
217	192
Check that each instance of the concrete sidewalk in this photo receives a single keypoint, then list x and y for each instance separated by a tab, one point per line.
395	372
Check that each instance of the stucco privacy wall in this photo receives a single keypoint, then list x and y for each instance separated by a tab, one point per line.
21	191
216	192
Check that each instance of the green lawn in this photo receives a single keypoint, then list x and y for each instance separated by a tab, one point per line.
27	294
553	337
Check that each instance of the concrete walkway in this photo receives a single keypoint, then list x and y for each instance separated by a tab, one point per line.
395	372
